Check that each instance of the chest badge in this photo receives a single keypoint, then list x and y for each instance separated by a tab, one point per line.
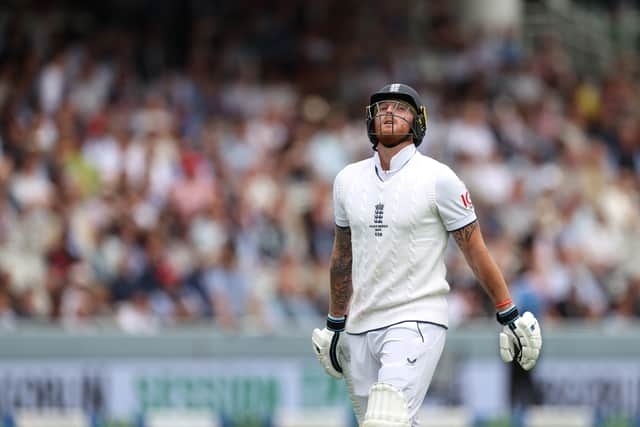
378	216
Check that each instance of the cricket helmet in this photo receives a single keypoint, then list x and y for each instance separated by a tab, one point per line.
398	92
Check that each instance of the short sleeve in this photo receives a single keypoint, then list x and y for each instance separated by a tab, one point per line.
453	201
339	211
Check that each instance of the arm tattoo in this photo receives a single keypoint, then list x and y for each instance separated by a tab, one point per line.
481	262
463	235
341	287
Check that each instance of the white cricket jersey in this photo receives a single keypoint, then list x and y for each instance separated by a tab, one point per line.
400	222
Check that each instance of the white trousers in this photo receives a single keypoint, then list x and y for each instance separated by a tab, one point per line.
403	355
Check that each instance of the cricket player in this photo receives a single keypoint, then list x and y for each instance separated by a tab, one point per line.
388	315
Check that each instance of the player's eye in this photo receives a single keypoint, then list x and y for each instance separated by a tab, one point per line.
403	107
393	106
387	105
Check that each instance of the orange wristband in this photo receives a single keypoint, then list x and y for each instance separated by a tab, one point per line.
504	304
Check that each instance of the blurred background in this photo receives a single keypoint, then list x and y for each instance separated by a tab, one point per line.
166	219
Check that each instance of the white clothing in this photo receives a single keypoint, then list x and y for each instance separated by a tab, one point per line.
104	154
400	222
31	188
51	87
403	355
473	140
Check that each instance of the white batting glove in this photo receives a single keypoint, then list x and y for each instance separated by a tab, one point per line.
325	345
520	338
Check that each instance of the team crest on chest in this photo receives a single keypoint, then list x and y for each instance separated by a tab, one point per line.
378	216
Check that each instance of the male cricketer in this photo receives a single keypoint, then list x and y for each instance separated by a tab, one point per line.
388	313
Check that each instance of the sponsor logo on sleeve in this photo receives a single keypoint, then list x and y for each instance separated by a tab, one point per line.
466	200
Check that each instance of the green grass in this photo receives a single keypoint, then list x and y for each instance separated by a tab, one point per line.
496	422
618	421
117	423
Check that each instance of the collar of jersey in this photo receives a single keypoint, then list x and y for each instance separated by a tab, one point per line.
397	162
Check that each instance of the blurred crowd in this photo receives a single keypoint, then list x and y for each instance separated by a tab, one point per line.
180	170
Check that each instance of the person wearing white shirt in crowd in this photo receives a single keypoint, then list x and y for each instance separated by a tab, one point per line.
394	212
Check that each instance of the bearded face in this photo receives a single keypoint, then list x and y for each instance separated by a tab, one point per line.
392	121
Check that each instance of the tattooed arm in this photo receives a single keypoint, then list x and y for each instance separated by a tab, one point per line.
341	287
325	341
520	338
471	243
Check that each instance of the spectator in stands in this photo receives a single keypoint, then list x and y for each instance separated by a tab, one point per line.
183	175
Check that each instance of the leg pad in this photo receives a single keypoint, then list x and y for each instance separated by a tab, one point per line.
387	407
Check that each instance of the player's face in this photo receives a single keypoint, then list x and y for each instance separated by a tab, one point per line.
392	119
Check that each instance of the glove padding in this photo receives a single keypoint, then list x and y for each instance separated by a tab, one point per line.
325	344
521	339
